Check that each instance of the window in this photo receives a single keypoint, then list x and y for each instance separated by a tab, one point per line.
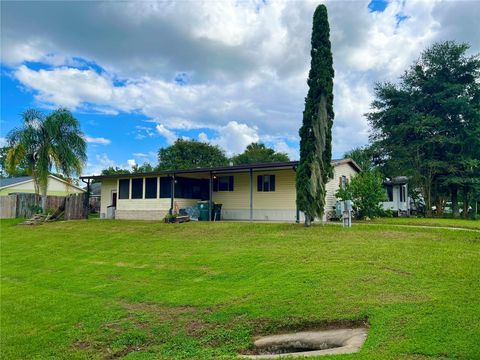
151	188
137	188
390	192
124	188
266	183
343	182
223	183
402	193
165	187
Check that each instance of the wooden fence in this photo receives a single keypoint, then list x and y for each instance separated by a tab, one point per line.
25	205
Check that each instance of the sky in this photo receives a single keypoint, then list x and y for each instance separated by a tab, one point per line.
138	75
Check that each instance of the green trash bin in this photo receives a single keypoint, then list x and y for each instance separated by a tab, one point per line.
203	210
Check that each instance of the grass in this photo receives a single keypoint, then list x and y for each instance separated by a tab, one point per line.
437	222
143	290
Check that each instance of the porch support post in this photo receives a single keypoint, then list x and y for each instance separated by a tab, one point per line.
172	194
297	212
251	194
210	195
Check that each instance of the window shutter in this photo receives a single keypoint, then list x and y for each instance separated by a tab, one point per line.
260	183
230	183
272	182
346	181
340	181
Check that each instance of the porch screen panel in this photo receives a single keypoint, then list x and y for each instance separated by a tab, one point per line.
165	187
151	188
124	188
137	188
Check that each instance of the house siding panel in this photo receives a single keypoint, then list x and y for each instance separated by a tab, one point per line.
333	185
106	195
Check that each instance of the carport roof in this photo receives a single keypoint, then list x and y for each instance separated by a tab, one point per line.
220	169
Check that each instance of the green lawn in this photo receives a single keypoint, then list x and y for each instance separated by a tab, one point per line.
143	290
438	222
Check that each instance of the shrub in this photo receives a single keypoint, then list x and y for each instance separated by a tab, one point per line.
366	191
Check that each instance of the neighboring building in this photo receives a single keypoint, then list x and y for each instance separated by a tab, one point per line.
24	184
246	192
95	196
95	190
397	195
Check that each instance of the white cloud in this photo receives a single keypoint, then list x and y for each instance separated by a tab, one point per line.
3	142
131	163
247	62
292	152
150	157
66	86
233	137
97	140
166	133
102	161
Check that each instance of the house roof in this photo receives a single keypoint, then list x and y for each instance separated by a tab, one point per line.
9	182
399	180
13	181
233	168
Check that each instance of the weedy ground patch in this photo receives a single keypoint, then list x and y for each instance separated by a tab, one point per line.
142	290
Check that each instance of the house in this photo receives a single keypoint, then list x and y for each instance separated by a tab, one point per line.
397	195
246	192
24	184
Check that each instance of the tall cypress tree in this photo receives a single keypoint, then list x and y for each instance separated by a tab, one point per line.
315	168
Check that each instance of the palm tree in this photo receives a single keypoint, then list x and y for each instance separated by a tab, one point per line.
47	141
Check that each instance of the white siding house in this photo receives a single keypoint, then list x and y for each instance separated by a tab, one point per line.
264	192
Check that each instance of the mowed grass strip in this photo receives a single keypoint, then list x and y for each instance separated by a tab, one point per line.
435	222
142	290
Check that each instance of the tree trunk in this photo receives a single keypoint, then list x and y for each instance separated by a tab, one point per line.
466	202
308	221
428	198
44	201
455	210
439	205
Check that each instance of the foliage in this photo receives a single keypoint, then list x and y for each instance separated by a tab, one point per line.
428	125
364	156
114	170
170	217
189	154
315	168
204	290
44	142
367	192
145	167
20	170
257	153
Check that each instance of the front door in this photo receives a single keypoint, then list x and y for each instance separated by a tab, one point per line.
114	198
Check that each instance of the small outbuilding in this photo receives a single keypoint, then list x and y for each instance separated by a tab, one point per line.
397	195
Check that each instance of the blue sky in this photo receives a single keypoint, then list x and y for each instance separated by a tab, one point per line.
138	75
